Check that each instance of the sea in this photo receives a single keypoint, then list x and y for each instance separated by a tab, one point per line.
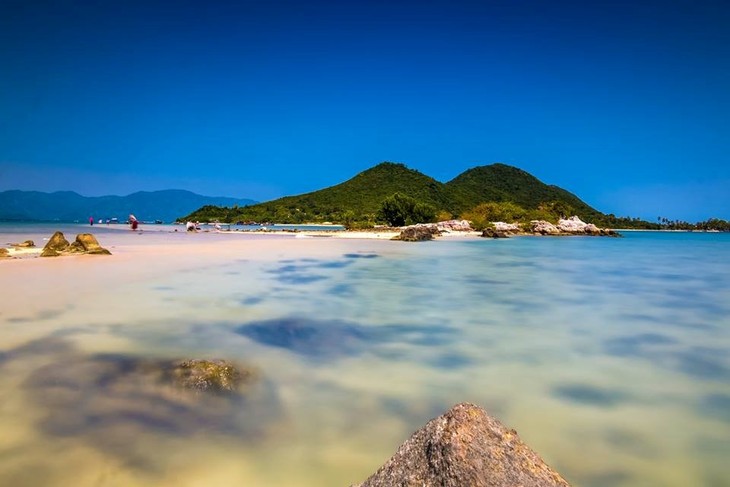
609	356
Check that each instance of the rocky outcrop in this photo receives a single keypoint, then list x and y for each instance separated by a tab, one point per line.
85	243
506	227
23	245
576	225
493	233
570	226
418	233
465	447
4	252
455	226
88	243
55	245
543	228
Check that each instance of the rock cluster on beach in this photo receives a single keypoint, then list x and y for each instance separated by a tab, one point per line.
85	243
570	226
28	244
564	227
418	233
427	231
465	447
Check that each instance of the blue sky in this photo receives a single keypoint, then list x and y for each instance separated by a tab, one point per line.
626	104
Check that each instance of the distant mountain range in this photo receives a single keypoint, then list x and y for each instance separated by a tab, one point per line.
360	198
69	206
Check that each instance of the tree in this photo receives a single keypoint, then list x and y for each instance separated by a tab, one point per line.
399	210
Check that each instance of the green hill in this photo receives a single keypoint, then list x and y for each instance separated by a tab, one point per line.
500	183
358	199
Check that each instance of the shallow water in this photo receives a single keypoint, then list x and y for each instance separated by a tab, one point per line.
609	356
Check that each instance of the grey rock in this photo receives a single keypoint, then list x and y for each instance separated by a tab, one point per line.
465	447
492	233
418	233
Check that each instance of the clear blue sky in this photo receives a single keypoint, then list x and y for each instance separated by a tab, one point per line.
626	104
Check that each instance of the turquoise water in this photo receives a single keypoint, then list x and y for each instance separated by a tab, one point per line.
609	357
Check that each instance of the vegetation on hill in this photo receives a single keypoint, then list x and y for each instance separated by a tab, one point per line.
399	210
503	183
393	194
356	200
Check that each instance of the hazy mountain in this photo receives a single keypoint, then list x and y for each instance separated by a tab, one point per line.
69	206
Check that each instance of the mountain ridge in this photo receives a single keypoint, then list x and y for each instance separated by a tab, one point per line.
360	197
165	205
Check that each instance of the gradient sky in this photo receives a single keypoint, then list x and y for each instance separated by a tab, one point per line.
626	104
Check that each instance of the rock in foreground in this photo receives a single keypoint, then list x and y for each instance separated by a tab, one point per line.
465	447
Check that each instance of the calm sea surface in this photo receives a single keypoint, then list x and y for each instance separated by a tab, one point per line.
611	358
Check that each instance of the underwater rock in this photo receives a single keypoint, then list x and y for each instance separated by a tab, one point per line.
216	376
465	446
114	401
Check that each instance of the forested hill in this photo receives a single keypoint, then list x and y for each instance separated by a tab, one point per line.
69	206
359	198
500	182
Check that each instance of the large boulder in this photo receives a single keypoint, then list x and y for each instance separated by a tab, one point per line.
506	227
90	245
465	447
4	252
417	233
56	244
573	225
493	233
454	226
543	228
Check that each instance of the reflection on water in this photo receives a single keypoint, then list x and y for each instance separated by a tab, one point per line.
609	356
